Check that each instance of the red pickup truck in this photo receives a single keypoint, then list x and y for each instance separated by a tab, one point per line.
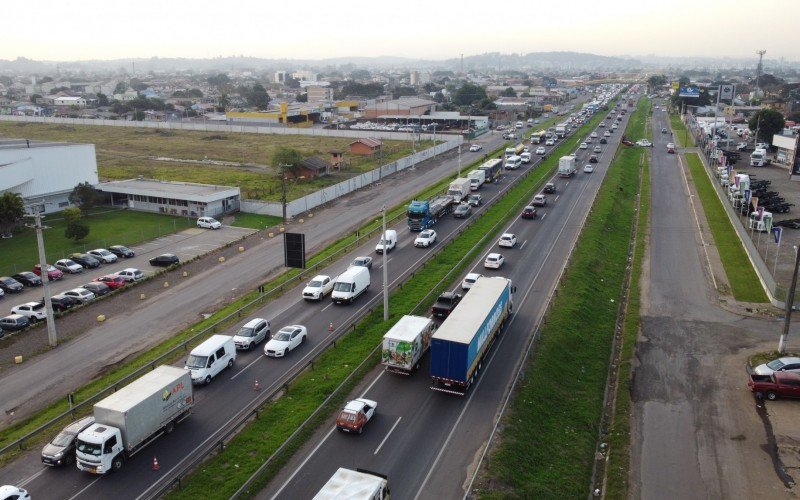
779	384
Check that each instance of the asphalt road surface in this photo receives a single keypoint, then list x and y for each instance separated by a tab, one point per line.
217	404
695	431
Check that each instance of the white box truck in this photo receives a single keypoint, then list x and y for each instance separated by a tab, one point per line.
359	484
476	179
566	166
405	344
459	189
134	416
758	158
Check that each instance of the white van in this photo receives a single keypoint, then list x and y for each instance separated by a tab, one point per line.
350	284
389	241
211	357
513	162
253	332
525	157
476	179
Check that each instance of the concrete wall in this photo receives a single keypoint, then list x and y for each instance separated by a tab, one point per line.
330	193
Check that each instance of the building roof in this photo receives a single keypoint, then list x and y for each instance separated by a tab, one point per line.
316	164
176	190
25	143
369	142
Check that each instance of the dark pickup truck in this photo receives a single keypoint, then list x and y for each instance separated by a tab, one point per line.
445	304
779	384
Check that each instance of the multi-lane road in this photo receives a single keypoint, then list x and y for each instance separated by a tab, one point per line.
533	265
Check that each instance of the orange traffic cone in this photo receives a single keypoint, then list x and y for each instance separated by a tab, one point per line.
155	463
256	387
330	326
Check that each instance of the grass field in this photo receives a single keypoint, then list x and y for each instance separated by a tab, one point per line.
680	134
107	227
745	285
255	221
125	153
547	444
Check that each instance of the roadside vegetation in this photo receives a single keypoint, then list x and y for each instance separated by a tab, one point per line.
547	444
680	134
744	282
255	221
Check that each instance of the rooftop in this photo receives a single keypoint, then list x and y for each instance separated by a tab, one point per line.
6	143
168	189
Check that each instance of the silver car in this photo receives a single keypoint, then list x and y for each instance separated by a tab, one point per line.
785	364
61	450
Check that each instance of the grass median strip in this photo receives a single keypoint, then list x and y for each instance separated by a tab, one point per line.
679	131
745	285
547	444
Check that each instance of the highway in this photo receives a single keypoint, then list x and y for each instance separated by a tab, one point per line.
218	403
427	442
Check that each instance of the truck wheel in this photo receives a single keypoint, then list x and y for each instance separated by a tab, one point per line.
117	463
771	395
169	427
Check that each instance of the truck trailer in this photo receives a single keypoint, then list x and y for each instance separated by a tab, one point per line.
459	189
459	346
134	416
476	179
566	166
405	344
359	484
423	214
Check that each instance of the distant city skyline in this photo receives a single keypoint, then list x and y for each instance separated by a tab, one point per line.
438	30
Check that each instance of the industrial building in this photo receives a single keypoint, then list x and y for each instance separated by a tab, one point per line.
45	173
173	198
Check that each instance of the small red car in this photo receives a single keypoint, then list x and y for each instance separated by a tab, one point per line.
52	273
779	384
528	212
355	415
112	281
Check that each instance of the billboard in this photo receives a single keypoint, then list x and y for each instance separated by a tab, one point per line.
689	92
727	91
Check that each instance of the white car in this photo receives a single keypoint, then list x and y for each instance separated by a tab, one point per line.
598	149
475	147
644	143
68	266
588	169
286	339
493	261
34	311
103	255
425	239
584	146
508	240
540	150
469	280
549	142
318	287
208	223
539	200
82	295
251	333
606	134
593	135
131	274
8	492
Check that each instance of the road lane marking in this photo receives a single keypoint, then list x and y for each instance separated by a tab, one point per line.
300	467
258	358
556	198
324	308
544	215
31	478
387	435
523	244
86	488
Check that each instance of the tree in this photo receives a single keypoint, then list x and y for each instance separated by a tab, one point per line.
258	97
656	81
102	99
72	214
360	74
138	115
76	231
302	97
403	91
220	79
120	88
468	94
509	92
137	84
768	122
85	196
286	160
195	93
12	209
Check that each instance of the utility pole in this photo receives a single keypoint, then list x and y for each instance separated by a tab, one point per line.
282	169
459	160
759	68
48	304
789	304
385	272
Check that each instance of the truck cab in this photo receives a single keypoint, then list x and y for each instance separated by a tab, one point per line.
99	449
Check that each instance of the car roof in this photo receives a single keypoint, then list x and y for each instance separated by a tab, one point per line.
320	277
787	359
79	425
473	275
493	255
507	235
253	322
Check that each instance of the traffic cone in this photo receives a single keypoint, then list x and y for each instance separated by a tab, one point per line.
330	326
155	463
256	387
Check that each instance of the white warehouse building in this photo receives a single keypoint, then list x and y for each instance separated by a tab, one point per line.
45	173
174	198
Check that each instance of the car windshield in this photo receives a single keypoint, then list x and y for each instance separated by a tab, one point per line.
360	262
347	416
283	336
315	284
63	439
195	361
89	448
776	364
246	332
341	286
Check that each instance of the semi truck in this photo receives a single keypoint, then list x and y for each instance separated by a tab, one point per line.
134	416
493	169
459	346
405	344
424	214
359	484
566	166
561	130
758	158
459	189
476	179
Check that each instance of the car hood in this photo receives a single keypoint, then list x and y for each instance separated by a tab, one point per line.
51	449
312	289
276	344
763	370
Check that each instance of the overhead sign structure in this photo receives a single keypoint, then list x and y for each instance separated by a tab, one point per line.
294	250
689	92
726	91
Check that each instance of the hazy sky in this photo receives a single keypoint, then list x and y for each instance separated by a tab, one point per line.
435	29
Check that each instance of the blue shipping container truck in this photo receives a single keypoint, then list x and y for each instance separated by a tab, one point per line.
460	344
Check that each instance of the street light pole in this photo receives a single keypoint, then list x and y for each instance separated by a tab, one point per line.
789	304
459	160
48	304
385	272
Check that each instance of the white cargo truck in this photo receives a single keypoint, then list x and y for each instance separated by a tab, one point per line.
566	166
476	179
405	344
359	484
134	416
459	189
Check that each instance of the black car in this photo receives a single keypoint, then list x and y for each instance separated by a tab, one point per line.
85	260
62	302
603	140
10	285
97	288
593	159
121	251
462	211
61	450
14	322
164	260
28	278
549	188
